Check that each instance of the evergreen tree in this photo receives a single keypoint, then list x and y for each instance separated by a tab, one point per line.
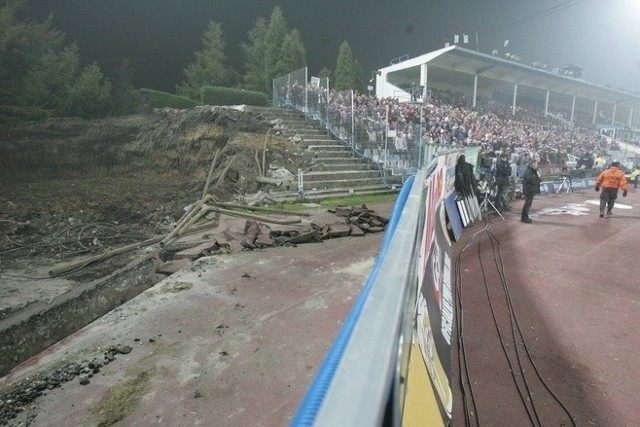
209	68
273	62
346	72
124	101
325	73
272	51
292	55
254	52
35	67
90	95
40	74
359	76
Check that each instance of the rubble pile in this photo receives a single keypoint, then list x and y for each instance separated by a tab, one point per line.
256	234
19	397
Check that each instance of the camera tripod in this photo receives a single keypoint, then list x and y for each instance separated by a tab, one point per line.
486	203
566	184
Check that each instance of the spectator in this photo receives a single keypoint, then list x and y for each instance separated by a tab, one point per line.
530	187
448	118
502	174
633	176
513	179
464	182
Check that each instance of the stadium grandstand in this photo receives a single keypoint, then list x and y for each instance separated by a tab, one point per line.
401	357
455	97
476	75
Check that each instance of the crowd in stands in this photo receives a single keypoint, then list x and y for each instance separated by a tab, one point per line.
447	118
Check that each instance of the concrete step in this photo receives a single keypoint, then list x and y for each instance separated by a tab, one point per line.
332	154
307	136
335	169
312	142
328	147
326	184
353	165
319	194
341	174
349	163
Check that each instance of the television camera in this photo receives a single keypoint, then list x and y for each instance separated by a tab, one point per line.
567	183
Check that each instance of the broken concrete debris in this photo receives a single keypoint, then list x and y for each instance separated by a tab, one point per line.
257	235
19	397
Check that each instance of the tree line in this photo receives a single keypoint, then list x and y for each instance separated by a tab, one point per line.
41	75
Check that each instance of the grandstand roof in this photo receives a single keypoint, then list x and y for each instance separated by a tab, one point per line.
469	62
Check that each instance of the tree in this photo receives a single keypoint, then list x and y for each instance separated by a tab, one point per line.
292	54
34	64
124	101
273	51
325	73
346	70
90	95
359	76
254	52
40	74
209	68
276	32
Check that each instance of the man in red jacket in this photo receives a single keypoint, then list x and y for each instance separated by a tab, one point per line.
610	180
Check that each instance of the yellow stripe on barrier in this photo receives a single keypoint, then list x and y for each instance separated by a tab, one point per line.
421	403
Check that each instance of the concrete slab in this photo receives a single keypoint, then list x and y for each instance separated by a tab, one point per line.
233	340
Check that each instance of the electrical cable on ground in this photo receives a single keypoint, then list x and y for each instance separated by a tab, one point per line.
513	345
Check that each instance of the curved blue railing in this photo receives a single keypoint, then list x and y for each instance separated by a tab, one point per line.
315	395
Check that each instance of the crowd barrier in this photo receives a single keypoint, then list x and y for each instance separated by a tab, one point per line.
558	186
390	363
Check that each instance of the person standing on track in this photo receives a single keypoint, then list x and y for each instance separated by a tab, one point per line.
634	175
465	181
530	187
502	174
610	180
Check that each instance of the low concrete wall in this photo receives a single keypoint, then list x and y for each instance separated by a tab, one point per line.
31	331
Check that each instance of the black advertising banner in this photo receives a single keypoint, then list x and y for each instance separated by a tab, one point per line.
434	304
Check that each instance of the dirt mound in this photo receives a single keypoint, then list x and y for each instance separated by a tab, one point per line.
71	187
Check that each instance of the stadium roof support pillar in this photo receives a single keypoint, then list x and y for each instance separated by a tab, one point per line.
595	111
424	74
613	116
306	80
573	108
475	90
515	96
546	103
381	84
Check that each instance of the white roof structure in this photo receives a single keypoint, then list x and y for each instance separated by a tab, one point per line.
477	74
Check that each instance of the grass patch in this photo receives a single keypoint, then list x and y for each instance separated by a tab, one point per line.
120	400
359	199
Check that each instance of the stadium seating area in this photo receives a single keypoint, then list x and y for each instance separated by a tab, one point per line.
399	134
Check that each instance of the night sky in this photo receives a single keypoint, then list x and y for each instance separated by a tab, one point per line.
160	36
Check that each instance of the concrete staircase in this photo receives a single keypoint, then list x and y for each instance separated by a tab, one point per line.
334	169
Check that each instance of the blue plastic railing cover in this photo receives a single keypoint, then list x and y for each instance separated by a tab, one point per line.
315	395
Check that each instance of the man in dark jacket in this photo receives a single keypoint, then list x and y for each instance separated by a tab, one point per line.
465	182
502	174
530	187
